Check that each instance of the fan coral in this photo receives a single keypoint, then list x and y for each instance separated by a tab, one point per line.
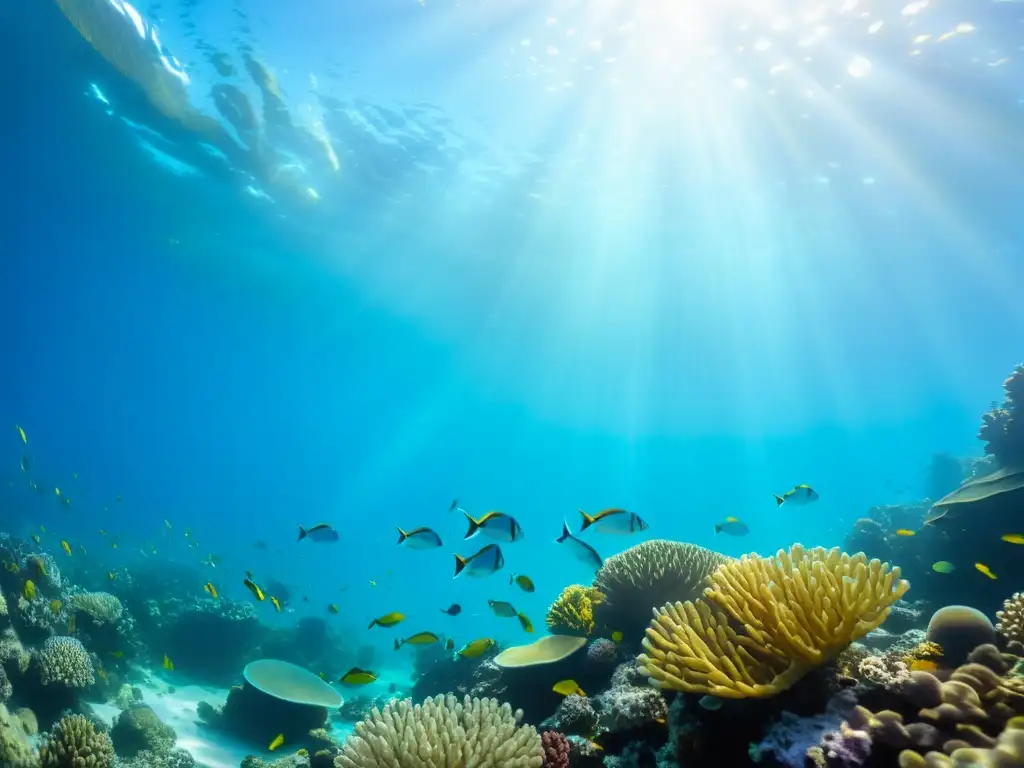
556	749
1001	428
796	611
442	732
75	743
1010	620
64	660
101	606
572	613
647	576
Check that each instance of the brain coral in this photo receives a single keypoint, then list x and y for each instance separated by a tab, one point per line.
64	661
647	576
75	743
442	732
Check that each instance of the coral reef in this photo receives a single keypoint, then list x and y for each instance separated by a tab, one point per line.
576	716
572	613
1010	620
139	729
101	606
602	651
443	732
176	758
257	718
957	630
75	743
647	576
1002	428
797	611
15	741
630	703
64	661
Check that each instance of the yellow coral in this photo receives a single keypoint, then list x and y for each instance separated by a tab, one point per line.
923	654
573	612
793	611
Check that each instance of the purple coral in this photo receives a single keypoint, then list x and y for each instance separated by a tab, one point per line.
556	750
603	651
792	738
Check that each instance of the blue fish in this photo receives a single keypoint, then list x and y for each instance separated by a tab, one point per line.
419	538
798	496
482	563
321	533
579	548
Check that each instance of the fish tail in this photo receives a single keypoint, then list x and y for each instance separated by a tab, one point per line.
566	533
587	521
372	624
460	563
474	525
718	529
511	579
397	644
302	533
778	499
402	535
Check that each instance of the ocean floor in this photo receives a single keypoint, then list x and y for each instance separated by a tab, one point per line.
209	748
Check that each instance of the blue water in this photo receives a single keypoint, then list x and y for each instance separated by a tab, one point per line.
578	255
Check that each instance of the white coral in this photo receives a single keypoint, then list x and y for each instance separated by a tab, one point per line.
65	661
1010	620
441	732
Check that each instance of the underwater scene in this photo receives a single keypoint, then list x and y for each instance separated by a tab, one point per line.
475	384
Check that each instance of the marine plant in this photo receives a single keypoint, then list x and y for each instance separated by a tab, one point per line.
767	621
441	732
572	613
75	743
647	576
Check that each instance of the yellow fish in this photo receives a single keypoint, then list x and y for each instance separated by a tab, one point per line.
357	676
101	673
252	587
617	636
111	575
71	625
420	638
42	528
476	648
567	688
276	602
524	622
11	567
29	590
986	570
40	565
168	664
524	582
66	547
923	665
904	532
55	607
277	742
117	654
211	590
943	566
36	539
387	620
333	608
21	432
1013	538
373	583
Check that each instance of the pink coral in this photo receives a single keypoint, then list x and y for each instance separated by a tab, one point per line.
556	750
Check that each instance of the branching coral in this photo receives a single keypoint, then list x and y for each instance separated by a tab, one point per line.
649	575
1010	620
572	613
75	743
442	732
101	606
795	611
64	661
1002	428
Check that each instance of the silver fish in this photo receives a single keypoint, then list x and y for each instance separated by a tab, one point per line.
580	549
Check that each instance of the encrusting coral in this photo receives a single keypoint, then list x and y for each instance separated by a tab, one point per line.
796	611
647	576
64	661
572	613
442	732
75	743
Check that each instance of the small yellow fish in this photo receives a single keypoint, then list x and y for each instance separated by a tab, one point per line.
24	437
113	545
29	590
11	567
211	590
42	528
373	583
322	675
476	648
387	620
56	492
74	475
524	622
168	664
101	673
617	636
71	625
277	742
117	654
66	547
252	587
420	638
111	575
168	524
923	665
524	582
39	565
55	607
567	688
357	676
985	570
1013	538
36	539
904	532
276	602
943	566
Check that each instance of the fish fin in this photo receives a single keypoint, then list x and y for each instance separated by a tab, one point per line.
566	533
718	529
397	644
372	624
474	525
302	533
587	521
460	563
402	535
778	499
